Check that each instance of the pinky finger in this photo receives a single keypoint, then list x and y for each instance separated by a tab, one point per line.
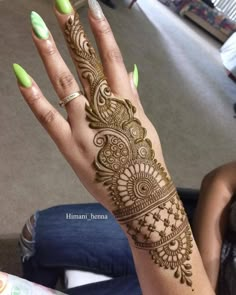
57	127
133	79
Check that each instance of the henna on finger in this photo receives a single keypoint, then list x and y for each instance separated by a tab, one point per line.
84	55
144	196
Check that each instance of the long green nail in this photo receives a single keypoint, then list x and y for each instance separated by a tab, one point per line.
22	77
135	76
39	27
64	6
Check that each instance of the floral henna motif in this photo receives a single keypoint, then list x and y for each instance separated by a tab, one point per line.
145	198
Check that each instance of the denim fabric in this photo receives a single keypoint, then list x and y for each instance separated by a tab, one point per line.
125	285
69	237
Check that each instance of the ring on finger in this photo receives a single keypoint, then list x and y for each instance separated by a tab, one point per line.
69	98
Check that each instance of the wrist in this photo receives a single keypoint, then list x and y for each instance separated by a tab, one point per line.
158	227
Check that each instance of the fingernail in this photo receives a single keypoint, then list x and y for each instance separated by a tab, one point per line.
96	9
39	27
64	6
135	76
22	77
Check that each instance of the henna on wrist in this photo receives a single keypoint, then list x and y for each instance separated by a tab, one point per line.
145	198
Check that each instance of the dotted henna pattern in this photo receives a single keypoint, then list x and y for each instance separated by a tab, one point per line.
145	198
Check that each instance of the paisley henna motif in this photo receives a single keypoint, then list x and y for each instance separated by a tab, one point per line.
145	198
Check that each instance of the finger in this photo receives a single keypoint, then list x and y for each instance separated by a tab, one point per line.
134	81
133	88
58	72
110	54
57	127
136	97
88	66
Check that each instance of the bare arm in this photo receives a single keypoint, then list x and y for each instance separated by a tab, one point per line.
115	151
211	216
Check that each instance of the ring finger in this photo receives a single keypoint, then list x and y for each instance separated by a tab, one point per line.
62	79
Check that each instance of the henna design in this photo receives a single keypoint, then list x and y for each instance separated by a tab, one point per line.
145	198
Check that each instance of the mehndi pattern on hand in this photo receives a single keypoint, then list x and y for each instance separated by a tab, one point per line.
145	198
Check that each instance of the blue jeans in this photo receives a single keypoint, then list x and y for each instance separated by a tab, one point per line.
86	237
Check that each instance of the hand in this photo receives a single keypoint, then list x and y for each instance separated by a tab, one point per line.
74	137
110	143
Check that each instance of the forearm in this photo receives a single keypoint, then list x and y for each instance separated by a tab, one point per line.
162	281
169	254
130	167
115	150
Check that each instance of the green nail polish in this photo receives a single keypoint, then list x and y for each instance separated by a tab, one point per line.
22	77
135	76
64	6
39	27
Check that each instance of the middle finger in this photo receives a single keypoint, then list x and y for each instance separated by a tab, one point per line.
90	70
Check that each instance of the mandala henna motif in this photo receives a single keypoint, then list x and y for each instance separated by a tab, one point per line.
145	198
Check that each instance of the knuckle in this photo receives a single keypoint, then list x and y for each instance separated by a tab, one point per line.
82	143
83	148
113	55
103	28
49	50
65	80
34	98
48	117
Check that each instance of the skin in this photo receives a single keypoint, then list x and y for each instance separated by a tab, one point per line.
74	139
216	193
217	190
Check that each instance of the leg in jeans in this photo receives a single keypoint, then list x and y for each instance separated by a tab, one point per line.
70	237
84	237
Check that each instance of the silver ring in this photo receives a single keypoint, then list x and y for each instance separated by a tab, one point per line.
69	98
